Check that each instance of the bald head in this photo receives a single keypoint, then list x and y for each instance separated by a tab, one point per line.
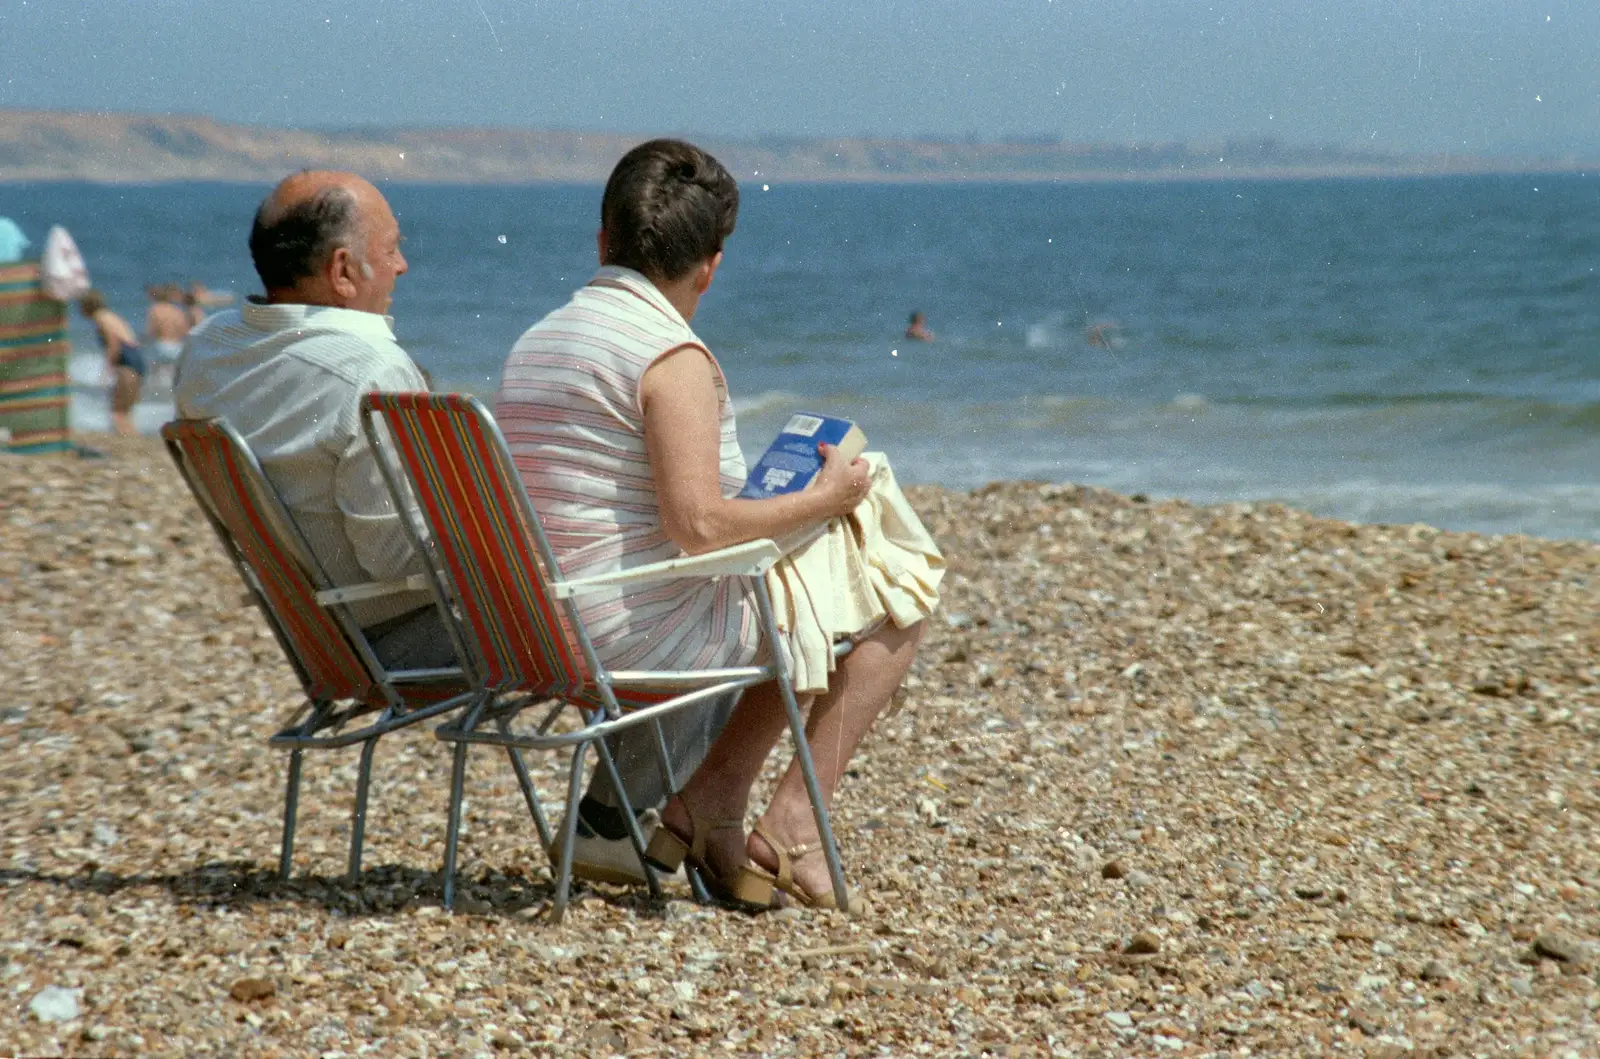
311	241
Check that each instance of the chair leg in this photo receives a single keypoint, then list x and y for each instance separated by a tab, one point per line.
697	885
634	834
529	795
802	747
291	806
569	835
458	776
358	822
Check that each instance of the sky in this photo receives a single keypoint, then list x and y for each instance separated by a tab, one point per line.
1473	76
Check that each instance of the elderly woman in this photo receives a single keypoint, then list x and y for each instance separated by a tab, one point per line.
620	421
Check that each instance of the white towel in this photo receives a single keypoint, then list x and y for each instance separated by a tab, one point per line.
878	562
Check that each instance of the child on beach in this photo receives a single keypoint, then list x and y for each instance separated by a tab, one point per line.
123	358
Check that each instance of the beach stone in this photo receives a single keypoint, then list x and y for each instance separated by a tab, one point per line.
247	990
1434	971
1558	945
55	1003
1113	869
1143	943
1120	1019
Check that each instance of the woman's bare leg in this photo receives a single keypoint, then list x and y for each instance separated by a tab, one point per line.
720	787
860	689
124	395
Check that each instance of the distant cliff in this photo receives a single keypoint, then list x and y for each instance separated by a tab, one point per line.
130	148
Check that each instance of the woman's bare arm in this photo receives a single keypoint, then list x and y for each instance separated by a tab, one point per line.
682	435
110	338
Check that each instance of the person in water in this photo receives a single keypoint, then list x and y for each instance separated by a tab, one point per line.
123	358
917	329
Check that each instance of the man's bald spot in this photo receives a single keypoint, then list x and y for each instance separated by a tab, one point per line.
319	186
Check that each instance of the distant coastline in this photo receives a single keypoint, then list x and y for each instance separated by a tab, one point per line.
134	148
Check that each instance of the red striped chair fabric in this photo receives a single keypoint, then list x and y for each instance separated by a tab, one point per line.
486	541
329	667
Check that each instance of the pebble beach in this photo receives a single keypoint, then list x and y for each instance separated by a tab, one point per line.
1166	780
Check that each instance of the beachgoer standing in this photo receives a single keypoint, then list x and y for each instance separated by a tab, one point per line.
166	324
123	359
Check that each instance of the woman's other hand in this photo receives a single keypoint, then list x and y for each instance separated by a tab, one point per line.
845	483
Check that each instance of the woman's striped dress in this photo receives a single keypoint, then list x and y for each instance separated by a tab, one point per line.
569	406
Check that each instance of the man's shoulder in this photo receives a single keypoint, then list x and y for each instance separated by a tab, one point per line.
354	357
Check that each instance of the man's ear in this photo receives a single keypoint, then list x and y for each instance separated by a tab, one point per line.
707	272
342	273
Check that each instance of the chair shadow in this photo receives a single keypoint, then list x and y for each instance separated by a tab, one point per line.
386	889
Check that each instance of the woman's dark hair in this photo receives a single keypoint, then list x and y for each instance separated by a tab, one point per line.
90	302
667	207
289	243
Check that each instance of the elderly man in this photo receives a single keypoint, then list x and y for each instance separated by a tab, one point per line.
288	372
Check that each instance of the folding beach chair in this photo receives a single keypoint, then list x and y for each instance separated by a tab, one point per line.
518	629
342	678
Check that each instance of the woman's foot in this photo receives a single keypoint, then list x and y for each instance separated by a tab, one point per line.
722	834
793	859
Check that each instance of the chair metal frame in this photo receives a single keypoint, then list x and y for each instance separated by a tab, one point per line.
343	679
421	445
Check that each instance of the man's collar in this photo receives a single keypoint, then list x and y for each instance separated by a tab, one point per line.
283	316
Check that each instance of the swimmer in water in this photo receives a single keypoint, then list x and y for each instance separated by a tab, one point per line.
917	328
1104	334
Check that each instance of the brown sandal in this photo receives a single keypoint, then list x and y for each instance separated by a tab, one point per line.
755	884
668	850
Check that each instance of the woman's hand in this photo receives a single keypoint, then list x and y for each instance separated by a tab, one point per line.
845	483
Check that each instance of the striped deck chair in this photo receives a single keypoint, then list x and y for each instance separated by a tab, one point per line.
516	623
343	681
33	363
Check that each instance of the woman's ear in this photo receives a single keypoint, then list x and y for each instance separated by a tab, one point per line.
707	272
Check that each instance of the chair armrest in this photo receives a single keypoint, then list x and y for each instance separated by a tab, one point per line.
372	590
749	559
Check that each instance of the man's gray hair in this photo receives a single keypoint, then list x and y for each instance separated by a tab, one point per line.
289	243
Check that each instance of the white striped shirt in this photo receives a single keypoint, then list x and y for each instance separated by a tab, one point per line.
569	406
289	378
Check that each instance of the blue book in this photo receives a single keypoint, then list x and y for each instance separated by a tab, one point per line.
792	460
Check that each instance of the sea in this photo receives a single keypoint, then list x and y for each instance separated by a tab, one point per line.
1380	350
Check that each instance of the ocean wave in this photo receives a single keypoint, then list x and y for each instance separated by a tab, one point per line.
768	400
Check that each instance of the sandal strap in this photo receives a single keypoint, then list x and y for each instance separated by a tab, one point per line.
785	873
700	829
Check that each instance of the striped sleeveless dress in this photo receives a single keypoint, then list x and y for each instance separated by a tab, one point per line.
570	409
